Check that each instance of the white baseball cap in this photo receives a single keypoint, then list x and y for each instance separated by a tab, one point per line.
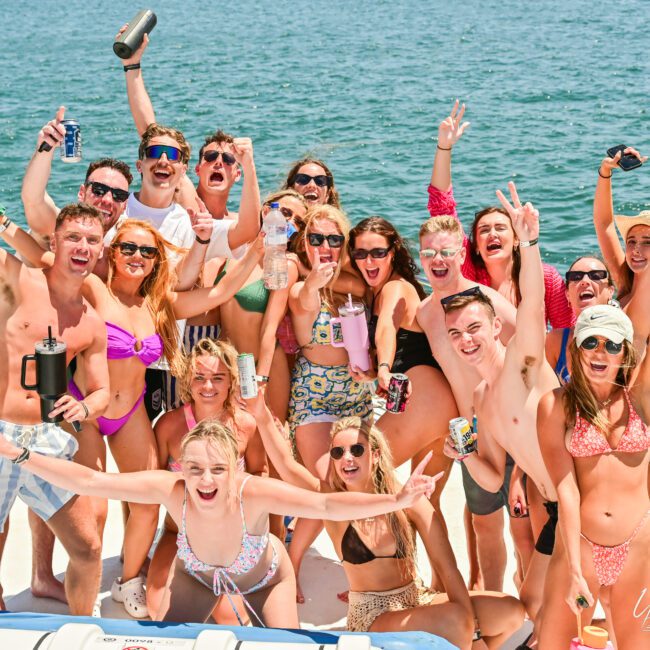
604	320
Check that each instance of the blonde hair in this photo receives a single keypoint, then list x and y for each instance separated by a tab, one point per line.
383	480
154	287
445	223
578	394
226	354
222	438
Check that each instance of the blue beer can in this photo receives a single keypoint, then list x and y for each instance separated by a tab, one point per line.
71	145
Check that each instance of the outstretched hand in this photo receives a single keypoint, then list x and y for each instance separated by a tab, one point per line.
418	484
525	218
137	55
53	133
611	163
452	127
242	149
202	221
321	272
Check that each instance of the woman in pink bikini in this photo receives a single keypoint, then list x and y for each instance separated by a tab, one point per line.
209	381
224	546
595	439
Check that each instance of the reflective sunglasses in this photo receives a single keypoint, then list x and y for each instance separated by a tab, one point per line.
592	343
321	180
317	238
375	253
227	158
472	291
576	276
432	253
357	450
99	189
128	249
157	150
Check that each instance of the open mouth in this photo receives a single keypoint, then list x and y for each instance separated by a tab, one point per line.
162	174
372	273
598	367
350	471
470	351
207	496
587	294
312	197
439	273
207	395
79	261
494	246
325	257
216	177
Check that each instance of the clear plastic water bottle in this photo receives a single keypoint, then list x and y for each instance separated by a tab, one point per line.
275	245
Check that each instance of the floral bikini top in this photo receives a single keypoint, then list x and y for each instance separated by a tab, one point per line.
320	330
587	440
252	550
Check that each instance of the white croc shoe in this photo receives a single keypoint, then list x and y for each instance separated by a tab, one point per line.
131	594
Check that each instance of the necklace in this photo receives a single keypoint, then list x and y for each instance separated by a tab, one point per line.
605	403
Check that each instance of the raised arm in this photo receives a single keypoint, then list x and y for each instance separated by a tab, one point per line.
40	210
139	100
531	326
449	132
638	309
25	244
189	268
247	225
305	296
551	430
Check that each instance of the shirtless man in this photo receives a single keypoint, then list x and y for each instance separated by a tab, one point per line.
513	378
442	255
30	301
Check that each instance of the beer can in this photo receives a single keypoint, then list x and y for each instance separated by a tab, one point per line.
462	435
247	380
71	145
396	398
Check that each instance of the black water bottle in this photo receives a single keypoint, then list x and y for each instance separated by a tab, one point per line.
51	377
132	38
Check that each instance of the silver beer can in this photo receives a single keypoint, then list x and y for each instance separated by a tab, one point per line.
247	380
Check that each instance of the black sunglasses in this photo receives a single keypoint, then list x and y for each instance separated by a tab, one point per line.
321	180
317	238
227	158
128	249
99	189
592	343
472	291
375	253
157	150
576	276
357	450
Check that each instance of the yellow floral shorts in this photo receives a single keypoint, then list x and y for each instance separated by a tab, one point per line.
325	394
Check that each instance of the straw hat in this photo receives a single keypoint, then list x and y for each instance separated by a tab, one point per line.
625	224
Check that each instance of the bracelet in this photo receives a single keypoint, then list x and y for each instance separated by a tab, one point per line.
263	379
22	457
202	241
526	244
86	411
131	66
383	363
443	148
6	222
599	174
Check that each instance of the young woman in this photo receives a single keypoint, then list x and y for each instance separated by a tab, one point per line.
140	311
313	179
596	445
626	262
208	383
588	283
381	256
493	251
224	546
378	552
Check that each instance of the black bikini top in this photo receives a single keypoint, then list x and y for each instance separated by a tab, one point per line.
355	551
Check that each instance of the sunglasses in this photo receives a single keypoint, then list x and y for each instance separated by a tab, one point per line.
445	253
375	253
357	450
592	343
472	291
128	249
157	150
99	189
317	238
227	158
576	276
321	180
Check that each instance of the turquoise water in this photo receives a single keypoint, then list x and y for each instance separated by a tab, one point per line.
550	85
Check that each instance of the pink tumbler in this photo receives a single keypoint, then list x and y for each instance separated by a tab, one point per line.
354	327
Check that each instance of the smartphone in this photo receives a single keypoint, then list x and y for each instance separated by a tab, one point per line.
627	161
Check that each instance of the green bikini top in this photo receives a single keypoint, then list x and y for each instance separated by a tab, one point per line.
252	297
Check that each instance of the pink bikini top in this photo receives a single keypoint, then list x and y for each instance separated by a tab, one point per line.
190	420
121	345
252	550
586	440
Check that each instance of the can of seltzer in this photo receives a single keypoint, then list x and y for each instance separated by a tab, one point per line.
247	380
71	145
462	435
396	398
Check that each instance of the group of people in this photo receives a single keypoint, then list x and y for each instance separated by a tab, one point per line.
155	293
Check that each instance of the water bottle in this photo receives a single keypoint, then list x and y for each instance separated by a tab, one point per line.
275	249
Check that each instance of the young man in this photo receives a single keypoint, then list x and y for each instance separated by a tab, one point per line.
513	378
30	301
442	255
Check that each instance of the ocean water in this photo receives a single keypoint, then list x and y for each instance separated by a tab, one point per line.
549	86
